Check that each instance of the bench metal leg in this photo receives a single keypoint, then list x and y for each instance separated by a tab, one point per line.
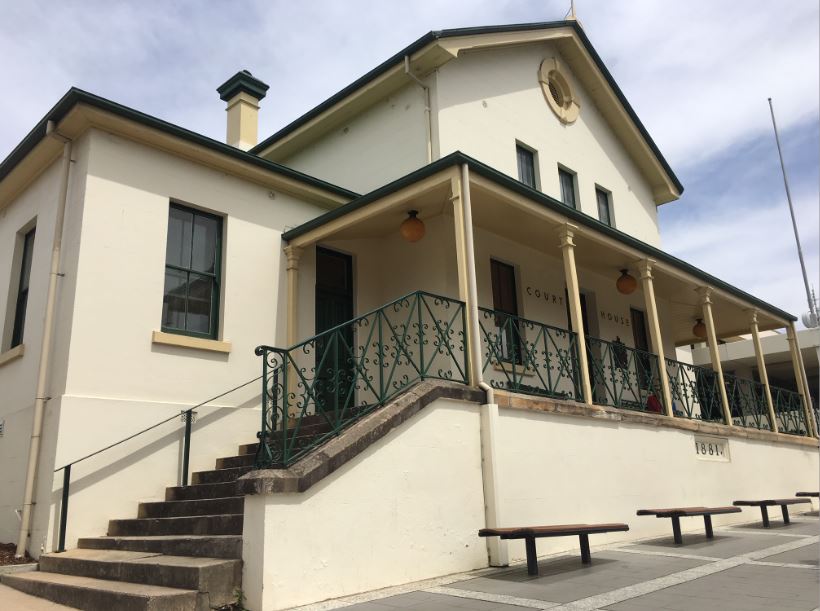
707	522
586	558
785	510
764	511
676	530
532	557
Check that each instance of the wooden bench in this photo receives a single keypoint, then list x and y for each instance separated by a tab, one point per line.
809	494
766	503
531	533
676	513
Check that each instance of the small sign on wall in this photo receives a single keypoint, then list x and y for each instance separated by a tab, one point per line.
712	448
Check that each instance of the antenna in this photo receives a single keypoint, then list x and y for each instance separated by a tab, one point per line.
809	297
571	14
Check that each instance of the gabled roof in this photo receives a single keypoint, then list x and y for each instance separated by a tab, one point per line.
77	98
438	47
576	216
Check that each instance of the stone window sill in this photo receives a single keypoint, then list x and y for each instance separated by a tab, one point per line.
12	355
185	341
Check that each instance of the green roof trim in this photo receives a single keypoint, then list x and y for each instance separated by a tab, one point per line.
76	96
459	158
438	34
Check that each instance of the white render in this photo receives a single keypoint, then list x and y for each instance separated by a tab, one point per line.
411	505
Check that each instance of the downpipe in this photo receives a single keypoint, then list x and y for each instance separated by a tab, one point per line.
427	107
40	397
496	548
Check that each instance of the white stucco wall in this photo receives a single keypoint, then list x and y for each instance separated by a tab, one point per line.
407	508
410	506
117	381
380	144
487	100
18	378
565	470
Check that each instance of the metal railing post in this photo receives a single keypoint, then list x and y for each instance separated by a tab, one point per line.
186	447
64	507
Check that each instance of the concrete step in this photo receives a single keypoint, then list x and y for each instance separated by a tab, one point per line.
95	594
217	476
208	546
248	448
243	460
198	507
186	525
202	491
214	578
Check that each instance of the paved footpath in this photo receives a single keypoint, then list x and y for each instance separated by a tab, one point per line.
744	568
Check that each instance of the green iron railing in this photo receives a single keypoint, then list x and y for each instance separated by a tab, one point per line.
624	377
788	410
694	391
747	402
317	388
528	357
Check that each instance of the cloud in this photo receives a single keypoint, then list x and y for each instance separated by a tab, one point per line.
697	72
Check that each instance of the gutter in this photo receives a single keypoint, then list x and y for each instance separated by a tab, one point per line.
40	397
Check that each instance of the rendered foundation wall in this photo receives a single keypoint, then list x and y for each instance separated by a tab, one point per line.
406	509
409	507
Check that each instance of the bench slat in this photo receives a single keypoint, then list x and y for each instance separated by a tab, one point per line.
771	502
555	530
687	511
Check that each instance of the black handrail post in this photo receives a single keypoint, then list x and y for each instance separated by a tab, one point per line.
186	448
64	507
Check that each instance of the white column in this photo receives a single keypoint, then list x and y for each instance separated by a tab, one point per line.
761	368
647	281
706	305
293	253
566	233
802	387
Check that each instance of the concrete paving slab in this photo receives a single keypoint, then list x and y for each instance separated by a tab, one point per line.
427	601
725	544
565	579
742	588
801	526
808	555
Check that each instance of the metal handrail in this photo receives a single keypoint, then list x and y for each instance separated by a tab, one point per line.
316	388
747	402
788	410
186	415
691	387
621	375
532	357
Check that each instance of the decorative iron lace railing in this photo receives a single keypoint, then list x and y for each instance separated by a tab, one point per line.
747	401
624	377
317	388
788	410
694	391
529	357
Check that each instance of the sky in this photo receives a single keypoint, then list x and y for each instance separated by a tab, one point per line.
698	74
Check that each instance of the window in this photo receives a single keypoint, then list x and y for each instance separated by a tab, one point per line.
505	304
192	272
22	290
567	180
604	206
526	165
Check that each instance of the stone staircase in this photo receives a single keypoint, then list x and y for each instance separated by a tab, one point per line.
184	553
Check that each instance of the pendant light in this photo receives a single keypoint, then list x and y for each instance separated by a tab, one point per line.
626	284
699	330
412	229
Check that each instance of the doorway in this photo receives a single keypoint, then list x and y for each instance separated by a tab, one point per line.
335	352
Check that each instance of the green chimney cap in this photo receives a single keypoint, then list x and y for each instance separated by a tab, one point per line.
242	81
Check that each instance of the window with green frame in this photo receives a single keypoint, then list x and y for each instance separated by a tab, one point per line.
193	273
22	290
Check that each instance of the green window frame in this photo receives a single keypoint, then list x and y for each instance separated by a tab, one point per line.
21	303
568	193
193	273
604	206
525	157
